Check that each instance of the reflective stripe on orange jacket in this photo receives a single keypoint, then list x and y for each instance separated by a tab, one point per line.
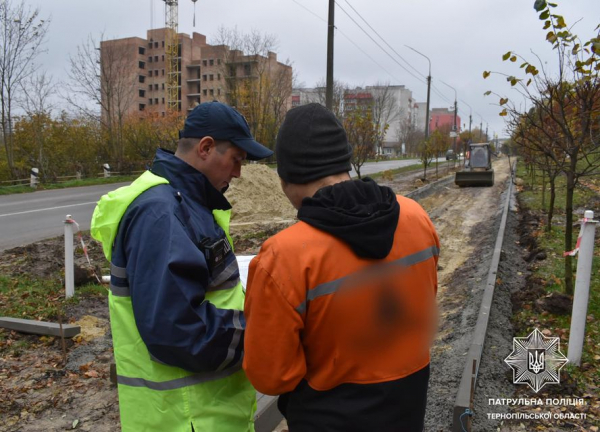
315	311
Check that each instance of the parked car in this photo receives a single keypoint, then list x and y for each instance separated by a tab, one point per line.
450	155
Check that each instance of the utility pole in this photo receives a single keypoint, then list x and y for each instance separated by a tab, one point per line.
480	128
486	132
428	91
455	111
470	121
329	81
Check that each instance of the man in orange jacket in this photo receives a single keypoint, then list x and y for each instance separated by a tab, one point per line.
340	307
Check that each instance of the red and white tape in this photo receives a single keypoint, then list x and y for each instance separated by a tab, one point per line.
83	246
574	251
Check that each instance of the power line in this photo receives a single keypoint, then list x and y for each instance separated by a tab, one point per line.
384	41
349	39
377	43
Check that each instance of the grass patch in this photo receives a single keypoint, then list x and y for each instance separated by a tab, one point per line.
532	195
8	190
550	272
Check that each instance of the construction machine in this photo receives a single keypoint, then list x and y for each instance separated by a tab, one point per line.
478	167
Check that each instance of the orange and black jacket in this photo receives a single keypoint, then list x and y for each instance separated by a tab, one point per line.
341	311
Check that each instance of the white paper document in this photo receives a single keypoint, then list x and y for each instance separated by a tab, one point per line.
244	264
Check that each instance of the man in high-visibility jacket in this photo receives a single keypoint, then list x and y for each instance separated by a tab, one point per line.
340	307
175	295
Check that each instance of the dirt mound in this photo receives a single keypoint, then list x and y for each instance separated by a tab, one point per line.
257	196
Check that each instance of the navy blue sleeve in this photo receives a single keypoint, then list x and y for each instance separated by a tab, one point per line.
168	277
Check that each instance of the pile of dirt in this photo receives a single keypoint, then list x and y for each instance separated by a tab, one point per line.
257	196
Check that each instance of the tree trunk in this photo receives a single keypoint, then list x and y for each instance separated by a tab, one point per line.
569	233
543	190
551	204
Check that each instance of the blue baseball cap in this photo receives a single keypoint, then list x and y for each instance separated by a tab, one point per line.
223	123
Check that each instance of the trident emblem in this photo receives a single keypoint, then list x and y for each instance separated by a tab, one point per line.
536	362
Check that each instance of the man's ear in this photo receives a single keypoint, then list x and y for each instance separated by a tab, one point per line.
205	147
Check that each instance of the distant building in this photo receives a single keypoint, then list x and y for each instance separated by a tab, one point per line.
134	73
443	118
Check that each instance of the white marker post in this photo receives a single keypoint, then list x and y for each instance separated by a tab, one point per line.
582	288
34	178
106	168
69	272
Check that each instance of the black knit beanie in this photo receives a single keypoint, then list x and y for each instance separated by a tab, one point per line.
311	144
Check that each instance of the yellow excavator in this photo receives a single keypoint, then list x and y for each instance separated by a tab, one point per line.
478	167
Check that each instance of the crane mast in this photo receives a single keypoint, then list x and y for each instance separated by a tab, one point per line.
172	55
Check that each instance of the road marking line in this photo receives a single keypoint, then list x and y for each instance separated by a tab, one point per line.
49	208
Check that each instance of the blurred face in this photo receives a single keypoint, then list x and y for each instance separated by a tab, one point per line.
223	162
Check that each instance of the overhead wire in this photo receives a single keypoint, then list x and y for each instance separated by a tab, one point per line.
434	89
349	39
379	45
384	41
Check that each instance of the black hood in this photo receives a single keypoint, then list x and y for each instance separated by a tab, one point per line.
359	212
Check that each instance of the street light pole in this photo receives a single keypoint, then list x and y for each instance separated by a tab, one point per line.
470	121
330	33
480	127
455	111
428	91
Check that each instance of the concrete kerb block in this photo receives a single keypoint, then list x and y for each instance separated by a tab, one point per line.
39	327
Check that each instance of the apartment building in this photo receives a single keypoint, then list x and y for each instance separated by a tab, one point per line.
443	118
134	73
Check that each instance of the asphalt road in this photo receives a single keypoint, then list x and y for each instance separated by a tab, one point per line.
30	217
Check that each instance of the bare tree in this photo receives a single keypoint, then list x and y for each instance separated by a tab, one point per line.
409	134
37	91
385	110
21	39
102	76
258	85
339	91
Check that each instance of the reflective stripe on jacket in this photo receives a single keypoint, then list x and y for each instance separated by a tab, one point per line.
152	394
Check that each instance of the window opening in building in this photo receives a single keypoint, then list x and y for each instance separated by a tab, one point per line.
155	101
150	73
155	86
141	50
142	65
163	113
219	77
155	58
142	106
163	101
211	62
219	92
141	78
163	72
204	77
204	92
150	87
204	63
212	92
247	69
163	58
218	61
150	59
150	101
211	77
142	93
163	44
163	86
156	44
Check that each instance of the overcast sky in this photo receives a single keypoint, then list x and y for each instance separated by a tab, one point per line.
462	38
